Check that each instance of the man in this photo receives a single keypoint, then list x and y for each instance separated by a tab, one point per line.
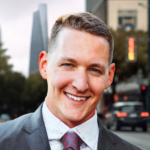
78	69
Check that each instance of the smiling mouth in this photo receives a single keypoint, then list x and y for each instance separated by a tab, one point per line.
77	98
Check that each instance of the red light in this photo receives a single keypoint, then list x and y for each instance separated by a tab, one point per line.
122	114
144	114
107	115
143	87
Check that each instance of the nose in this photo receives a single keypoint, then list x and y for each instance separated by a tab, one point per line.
80	81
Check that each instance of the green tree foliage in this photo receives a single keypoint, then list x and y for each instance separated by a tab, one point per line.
19	95
12	91
124	69
5	69
4	66
11	85
35	90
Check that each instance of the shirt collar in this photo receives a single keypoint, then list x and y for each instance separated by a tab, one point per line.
88	131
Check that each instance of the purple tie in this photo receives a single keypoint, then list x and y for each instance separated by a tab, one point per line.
71	141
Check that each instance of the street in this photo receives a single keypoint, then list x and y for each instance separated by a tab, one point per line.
138	137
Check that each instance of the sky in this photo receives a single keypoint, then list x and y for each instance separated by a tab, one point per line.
16	18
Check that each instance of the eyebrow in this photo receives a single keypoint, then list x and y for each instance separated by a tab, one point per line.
69	59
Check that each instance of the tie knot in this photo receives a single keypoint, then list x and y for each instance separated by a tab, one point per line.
71	140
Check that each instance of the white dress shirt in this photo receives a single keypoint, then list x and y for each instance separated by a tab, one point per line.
87	131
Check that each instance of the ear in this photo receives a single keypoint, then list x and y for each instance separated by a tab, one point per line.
110	75
43	64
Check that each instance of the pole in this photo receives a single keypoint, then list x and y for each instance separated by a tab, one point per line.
148	96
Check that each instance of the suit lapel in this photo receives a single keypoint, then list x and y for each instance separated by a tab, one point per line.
105	142
37	139
36	135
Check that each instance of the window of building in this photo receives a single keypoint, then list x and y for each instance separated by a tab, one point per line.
127	19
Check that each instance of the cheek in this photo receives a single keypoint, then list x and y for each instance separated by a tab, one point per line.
59	79
97	86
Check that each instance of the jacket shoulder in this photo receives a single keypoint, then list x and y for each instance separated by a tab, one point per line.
109	140
11	131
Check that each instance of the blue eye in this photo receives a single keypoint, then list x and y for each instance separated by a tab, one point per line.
95	70
67	65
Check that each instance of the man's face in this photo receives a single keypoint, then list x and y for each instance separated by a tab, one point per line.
77	73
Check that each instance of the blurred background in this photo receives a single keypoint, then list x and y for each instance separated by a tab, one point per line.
25	28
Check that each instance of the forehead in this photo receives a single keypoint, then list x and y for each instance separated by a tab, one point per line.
73	35
82	44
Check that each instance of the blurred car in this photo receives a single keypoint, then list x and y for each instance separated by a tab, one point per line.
127	114
4	117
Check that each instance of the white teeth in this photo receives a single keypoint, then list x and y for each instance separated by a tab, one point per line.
76	98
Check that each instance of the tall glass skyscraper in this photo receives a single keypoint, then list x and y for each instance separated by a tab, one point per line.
39	39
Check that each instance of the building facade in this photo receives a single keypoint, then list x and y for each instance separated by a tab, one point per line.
39	38
125	14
